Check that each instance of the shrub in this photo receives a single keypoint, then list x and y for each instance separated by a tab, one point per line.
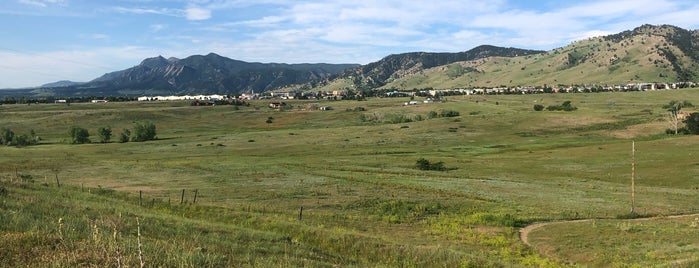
78	135
432	114
538	107
105	134
6	136
692	123
448	113
566	106
23	140
143	131
424	164
125	136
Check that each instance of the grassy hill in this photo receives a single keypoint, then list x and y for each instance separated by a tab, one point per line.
341	188
646	54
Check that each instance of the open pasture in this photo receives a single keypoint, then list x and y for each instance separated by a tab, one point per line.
353	171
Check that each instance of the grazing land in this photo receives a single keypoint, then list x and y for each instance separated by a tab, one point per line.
340	187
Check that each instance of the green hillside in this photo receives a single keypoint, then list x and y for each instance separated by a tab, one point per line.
647	54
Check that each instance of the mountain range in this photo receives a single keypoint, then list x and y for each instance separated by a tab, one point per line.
648	53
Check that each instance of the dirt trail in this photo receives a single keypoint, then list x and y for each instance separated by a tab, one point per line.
524	232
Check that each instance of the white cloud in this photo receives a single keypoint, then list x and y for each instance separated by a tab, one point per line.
28	69
142	11
157	27
197	13
42	3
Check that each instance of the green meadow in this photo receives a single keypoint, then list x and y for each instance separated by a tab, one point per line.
340	188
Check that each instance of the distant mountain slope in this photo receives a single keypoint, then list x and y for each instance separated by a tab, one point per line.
62	83
646	54
394	67
209	74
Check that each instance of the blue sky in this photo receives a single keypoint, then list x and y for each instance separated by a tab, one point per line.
49	40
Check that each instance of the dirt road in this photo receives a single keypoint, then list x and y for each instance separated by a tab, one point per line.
524	232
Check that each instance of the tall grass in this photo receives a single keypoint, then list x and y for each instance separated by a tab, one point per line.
365	203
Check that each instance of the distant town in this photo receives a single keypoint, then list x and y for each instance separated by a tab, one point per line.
431	93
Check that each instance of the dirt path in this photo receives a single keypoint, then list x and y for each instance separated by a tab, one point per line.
524	232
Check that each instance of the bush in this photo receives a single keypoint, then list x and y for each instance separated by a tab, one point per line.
105	134
424	164
78	135
7	136
23	140
692	123
448	113
538	107
432	114
566	106
125	136
143	131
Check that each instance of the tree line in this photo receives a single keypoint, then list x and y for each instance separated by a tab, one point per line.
141	131
9	138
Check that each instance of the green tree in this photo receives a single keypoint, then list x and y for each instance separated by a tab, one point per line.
424	164
23	140
125	135
143	131
692	123
6	136
674	108
105	134
78	135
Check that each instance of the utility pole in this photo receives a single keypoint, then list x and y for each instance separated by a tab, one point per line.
633	177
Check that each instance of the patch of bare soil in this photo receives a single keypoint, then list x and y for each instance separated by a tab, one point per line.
640	130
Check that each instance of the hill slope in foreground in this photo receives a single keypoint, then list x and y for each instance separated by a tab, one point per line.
232	186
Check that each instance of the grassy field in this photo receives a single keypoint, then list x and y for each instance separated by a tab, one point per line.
340	188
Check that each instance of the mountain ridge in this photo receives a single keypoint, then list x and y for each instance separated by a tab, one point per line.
647	53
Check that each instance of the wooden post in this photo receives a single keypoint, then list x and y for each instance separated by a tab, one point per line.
633	177
182	198
140	198
301	213
58	184
196	191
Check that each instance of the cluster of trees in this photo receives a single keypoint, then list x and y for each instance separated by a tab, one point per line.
9	138
691	121
566	106
142	131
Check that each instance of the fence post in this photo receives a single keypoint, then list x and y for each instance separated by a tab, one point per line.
140	198
58	184
196	191
182	198
301	213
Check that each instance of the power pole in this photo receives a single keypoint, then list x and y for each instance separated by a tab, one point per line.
633	177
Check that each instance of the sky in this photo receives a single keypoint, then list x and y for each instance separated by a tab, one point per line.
44	41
